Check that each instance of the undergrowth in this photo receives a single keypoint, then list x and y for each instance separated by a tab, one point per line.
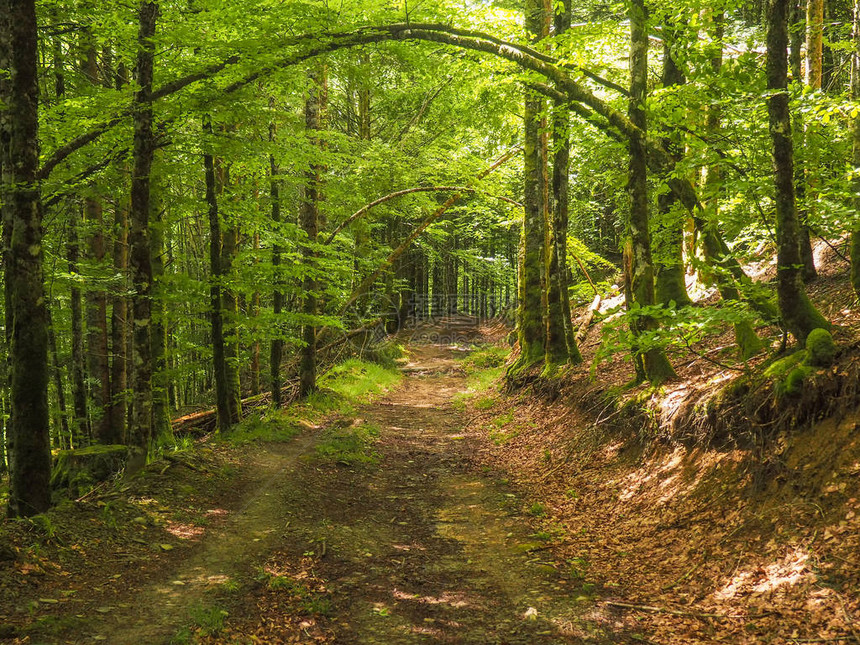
483	367
349	446
345	386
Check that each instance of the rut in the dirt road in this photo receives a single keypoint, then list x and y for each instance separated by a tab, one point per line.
421	548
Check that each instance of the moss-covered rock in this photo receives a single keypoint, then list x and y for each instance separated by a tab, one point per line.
821	348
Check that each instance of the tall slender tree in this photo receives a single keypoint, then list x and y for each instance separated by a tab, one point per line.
798	313
140	251
656	365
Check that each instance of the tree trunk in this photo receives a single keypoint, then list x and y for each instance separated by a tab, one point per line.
803	172
657	367
80	425
96	299
255	346
277	347
97	333
309	221
531	330
118	322
670	278
222	404
855	139
557	269
160	408
29	433
746	338
139	244
798	313
230	307
63	431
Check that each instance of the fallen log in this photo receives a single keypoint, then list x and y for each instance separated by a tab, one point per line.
589	318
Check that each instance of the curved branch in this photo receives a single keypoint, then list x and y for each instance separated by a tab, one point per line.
465	39
420	189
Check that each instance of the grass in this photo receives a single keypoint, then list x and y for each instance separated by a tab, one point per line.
203	621
350	446
358	381
483	366
346	385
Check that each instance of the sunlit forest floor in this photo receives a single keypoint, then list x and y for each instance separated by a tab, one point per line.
426	504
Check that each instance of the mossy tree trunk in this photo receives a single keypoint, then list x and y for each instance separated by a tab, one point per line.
558	295
80	424
230	309
29	433
119	321
96	297
657	367
670	278
140	253
798	313
160	405
531	331
806	135
276	350
746	338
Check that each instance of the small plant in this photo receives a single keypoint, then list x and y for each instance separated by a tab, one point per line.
485	357
43	525
537	510
485	403
275	425
107	515
203	621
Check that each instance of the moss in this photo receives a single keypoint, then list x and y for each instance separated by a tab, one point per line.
820	348
748	341
780	368
78	470
792	384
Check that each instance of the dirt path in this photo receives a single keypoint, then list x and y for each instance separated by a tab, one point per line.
416	547
420	548
230	552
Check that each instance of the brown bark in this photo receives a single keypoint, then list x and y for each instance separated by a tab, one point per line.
119	321
276	352
657	367
855	149
160	408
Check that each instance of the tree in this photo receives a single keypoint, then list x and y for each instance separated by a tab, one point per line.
26	313
799	314
140	251
656	365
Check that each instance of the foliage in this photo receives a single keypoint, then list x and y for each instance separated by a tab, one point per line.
349	446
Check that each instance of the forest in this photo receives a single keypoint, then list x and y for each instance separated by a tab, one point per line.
596	260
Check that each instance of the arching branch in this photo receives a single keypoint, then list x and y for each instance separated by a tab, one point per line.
420	189
521	55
